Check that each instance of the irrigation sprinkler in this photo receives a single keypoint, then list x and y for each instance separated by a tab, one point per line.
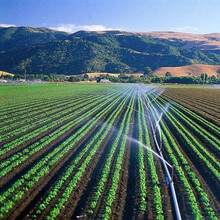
80	216
149	149
159	147
169	177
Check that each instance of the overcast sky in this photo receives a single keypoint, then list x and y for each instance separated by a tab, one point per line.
192	16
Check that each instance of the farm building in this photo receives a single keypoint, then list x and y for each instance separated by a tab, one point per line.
104	81
3	81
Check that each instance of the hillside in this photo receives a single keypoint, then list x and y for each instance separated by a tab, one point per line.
204	41
44	51
182	40
2	73
190	70
12	38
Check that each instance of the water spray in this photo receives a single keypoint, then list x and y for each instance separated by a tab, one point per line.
149	149
157	126
169	177
159	146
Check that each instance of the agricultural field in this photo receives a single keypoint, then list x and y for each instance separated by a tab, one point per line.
102	151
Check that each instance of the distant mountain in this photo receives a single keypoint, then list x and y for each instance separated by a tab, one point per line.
204	41
41	50
190	70
12	38
182	40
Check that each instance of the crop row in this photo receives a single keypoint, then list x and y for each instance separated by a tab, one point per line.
190	174
44	111
202	111
43	108
45	164
201	103
142	171
195	127
168	141
116	175
21	156
9	146
194	144
42	95
107	167
17	110
36	104
97	140
195	116
153	171
53	114
189	192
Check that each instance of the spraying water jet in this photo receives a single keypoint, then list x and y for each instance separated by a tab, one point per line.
149	149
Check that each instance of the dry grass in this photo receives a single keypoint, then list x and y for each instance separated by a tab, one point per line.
205	41
6	73
92	75
191	70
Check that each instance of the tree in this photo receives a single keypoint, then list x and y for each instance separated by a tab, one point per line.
46	78
168	74
133	79
86	77
17	76
74	79
204	77
213	79
30	76
147	70
156	80
98	79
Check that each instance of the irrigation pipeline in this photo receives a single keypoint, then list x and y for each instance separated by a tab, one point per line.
169	177
158	146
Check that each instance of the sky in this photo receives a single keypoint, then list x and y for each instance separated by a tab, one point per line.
190	16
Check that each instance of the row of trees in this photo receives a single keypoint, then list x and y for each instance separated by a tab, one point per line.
203	79
146	78
31	77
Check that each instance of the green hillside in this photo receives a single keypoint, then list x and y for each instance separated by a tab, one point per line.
20	37
41	50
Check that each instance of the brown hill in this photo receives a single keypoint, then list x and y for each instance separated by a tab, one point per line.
191	70
3	73
214	36
205	41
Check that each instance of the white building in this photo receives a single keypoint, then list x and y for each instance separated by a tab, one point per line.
105	81
3	81
21	80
